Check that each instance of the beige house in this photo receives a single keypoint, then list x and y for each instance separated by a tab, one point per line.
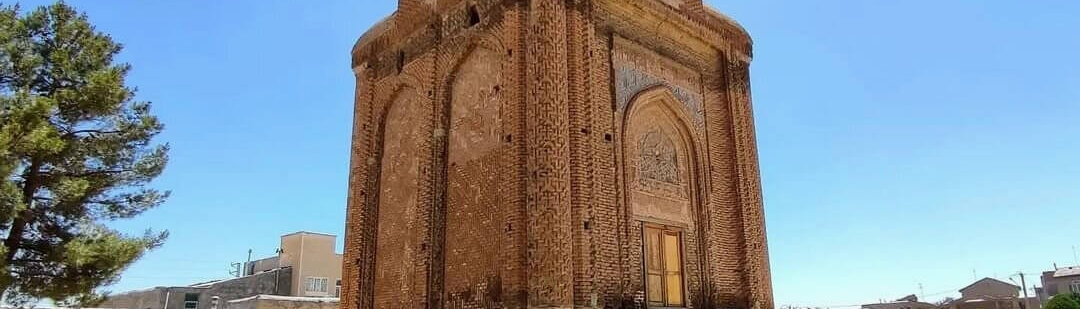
315	264
1061	281
990	293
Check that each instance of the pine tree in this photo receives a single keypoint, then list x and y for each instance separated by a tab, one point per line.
76	152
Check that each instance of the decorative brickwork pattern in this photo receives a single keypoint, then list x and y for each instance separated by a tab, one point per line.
508	154
397	278
550	238
474	234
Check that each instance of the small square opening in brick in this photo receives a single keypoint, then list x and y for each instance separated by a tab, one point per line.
474	15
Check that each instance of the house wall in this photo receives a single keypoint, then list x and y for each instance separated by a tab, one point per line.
262	303
310	255
145	299
273	282
262	265
901	305
990	288
1002	304
1055	286
529	188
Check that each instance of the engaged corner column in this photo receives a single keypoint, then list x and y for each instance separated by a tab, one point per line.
753	212
550	241
357	268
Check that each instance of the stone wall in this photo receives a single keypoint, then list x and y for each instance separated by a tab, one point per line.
506	154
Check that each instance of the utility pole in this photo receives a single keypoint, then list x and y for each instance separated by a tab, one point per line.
922	293
1023	284
248	261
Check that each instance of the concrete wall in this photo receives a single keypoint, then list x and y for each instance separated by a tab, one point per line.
262	265
273	282
270	302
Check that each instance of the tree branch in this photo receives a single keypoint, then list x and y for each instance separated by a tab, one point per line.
93	133
23	217
90	173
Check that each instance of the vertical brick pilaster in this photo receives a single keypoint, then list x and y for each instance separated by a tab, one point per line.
753	217
514	156
580	89
360	217
550	245
607	216
724	229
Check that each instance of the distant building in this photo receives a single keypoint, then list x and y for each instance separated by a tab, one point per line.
908	302
316	266
305	268
990	293
1060	281
203	295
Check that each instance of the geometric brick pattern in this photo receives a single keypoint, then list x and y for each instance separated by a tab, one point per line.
508	153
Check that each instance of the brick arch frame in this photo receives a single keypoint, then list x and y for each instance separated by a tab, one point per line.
453	57
384	102
681	120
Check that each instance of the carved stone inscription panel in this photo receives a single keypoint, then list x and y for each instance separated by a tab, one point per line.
637	68
657	160
657	164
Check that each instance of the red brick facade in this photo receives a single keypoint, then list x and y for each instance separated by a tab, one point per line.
508	153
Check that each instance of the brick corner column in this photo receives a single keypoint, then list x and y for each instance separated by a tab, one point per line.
357	263
550	245
758	274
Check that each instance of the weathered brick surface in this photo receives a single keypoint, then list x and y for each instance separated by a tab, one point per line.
506	154
473	218
395	240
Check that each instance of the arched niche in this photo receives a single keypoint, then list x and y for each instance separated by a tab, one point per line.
398	282
473	235
660	160
661	168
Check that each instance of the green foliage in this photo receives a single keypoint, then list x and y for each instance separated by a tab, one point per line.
1064	301
76	151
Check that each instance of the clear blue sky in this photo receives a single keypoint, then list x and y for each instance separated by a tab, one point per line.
902	142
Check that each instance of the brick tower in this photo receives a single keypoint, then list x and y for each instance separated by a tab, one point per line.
554	154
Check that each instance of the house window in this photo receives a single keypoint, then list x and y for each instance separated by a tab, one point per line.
1075	287
316	284
663	264
337	289
191	300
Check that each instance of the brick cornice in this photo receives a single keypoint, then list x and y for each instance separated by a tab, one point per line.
708	26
